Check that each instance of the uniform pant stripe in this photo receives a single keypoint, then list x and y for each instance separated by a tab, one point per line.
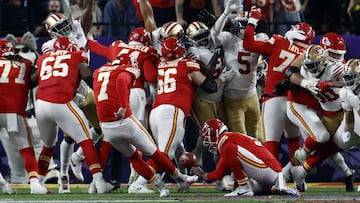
132	117
251	162
173	130
82	123
301	119
28	132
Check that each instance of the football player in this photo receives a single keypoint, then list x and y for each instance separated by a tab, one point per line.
347	135
205	105
240	95
145	58
256	170
323	80
335	47
177	82
112	86
59	73
58	25
16	73
281	52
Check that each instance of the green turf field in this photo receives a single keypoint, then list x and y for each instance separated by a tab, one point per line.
322	192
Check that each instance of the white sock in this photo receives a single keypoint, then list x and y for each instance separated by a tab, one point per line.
66	151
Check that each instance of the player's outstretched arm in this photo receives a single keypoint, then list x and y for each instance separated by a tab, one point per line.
148	15
87	17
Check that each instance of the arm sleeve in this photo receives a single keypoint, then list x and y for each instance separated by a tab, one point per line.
217	29
100	49
251	44
123	84
150	71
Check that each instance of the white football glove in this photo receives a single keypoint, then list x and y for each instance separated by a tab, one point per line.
227	75
310	85
295	34
232	6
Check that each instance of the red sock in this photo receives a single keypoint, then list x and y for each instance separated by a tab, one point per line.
44	159
162	162
273	147
30	163
310	144
91	157
105	148
141	167
293	145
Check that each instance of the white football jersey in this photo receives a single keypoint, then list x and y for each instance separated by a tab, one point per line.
77	36
204	55
329	99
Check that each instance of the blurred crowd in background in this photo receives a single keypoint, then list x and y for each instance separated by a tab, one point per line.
116	18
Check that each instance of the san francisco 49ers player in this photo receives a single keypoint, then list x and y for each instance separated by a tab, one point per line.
256	170
240	96
281	52
347	135
112	84
59	75
324	80
205	105
14	86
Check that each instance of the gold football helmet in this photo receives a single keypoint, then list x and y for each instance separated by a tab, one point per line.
198	33
314	61
58	25
351	74
171	29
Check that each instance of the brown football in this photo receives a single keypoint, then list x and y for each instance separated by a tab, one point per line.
187	160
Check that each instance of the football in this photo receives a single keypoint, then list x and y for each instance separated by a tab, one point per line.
187	160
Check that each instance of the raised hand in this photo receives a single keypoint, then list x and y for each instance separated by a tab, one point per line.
254	16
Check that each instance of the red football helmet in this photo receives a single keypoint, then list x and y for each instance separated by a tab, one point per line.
64	43
6	48
210	132
306	30
172	49
140	35
334	46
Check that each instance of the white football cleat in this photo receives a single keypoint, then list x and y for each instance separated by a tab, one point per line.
243	191
7	189
138	188
76	163
103	187
64	186
92	188
299	178
36	188
188	180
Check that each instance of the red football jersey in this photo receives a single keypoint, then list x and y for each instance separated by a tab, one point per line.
281	54
228	144
174	86
59	75
303	96
14	85
144	58
112	85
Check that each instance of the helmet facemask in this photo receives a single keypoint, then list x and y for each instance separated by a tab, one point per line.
61	29
238	26
351	75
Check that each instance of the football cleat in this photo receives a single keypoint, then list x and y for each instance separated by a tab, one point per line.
138	188
64	186
243	191
76	166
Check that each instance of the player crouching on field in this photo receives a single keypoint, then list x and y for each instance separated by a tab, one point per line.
256	170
